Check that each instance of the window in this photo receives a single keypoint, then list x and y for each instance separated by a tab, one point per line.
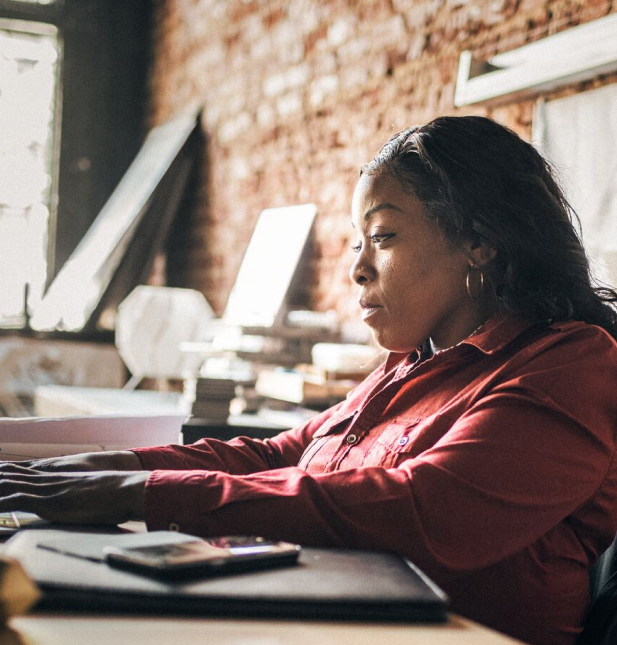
29	57
578	135
73	79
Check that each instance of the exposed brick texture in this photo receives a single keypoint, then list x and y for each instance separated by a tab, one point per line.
298	93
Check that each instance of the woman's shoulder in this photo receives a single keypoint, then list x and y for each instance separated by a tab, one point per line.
587	336
572	344
568	365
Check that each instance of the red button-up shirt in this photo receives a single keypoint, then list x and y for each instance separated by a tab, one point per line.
490	465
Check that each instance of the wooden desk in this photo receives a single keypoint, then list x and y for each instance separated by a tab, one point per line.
132	630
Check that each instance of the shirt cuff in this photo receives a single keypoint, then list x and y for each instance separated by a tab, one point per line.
176	501
158	457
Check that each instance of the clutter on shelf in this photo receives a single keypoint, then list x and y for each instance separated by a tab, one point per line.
335	369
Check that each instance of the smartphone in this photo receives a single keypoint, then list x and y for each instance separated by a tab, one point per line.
202	557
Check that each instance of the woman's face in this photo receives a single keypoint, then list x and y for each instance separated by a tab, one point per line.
412	281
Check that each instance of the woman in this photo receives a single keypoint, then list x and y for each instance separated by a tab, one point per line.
482	449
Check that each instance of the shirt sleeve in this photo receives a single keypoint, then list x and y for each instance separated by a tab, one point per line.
533	450
239	456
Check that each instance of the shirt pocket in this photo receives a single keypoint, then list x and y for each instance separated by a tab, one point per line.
394	444
323	435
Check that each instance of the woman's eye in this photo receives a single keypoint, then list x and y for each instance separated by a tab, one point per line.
380	238
376	238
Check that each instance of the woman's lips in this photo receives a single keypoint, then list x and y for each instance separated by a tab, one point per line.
368	309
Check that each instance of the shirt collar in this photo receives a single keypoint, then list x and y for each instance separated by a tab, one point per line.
495	334
498	332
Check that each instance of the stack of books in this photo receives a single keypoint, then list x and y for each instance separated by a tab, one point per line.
209	397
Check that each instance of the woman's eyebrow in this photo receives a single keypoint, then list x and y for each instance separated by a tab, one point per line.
380	207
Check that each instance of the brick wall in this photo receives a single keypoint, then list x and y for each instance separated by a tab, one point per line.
298	93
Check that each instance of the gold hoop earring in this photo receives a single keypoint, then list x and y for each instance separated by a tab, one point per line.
474	295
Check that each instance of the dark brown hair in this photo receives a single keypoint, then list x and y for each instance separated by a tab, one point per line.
480	182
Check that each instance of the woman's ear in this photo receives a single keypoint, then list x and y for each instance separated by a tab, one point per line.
479	254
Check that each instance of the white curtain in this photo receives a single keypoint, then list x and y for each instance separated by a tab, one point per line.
578	134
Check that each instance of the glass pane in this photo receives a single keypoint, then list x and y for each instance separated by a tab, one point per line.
27	91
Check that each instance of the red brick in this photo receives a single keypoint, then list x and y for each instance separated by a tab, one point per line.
299	93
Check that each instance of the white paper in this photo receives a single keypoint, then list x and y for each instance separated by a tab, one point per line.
33	437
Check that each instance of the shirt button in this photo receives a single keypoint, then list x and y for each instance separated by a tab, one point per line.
174	527
351	438
403	441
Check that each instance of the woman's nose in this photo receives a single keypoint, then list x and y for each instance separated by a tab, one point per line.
361	271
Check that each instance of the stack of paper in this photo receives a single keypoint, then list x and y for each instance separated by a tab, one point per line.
34	437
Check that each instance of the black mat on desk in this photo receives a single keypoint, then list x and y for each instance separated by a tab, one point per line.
325	584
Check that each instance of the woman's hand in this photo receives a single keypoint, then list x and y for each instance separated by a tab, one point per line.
87	461
99	497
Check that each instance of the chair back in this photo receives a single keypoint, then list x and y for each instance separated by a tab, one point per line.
600	626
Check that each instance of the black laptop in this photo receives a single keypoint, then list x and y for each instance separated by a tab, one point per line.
324	584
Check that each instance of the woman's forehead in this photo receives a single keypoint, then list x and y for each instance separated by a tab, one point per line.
373	193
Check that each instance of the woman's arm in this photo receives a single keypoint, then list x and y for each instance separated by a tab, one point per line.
95	497
533	451
109	487
87	461
239	456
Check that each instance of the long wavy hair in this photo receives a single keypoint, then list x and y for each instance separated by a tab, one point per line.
480	182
